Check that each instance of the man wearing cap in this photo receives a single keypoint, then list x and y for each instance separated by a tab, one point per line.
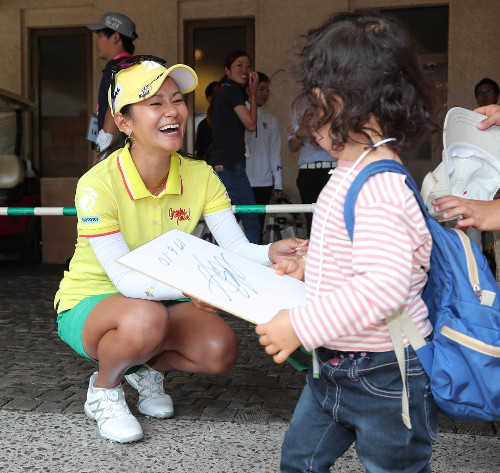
115	40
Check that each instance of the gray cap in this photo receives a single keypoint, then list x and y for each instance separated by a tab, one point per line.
116	22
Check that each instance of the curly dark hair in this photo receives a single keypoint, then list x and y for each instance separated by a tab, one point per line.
356	66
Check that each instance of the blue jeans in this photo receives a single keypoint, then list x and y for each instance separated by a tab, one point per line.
240	192
359	400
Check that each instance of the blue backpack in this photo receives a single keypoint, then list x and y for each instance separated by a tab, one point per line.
463	298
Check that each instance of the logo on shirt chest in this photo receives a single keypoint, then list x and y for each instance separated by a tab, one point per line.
179	215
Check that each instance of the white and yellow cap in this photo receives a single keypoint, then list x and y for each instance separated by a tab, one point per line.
141	80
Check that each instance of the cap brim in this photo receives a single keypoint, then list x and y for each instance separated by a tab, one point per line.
460	126
96	27
185	77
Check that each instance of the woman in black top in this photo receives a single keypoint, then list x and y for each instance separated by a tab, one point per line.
230	116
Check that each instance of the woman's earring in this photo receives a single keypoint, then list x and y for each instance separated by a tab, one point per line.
129	139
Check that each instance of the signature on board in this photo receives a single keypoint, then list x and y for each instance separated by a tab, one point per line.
224	279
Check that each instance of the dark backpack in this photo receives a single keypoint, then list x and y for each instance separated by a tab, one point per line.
463	298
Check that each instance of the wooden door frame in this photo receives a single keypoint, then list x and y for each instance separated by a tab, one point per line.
189	28
34	78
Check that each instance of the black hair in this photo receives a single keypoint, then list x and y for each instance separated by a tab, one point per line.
119	138
127	43
233	55
211	88
356	66
263	77
487	81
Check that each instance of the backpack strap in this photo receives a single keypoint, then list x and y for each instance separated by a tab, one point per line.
400	322
384	165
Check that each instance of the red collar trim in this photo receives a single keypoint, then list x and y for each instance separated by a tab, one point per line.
118	56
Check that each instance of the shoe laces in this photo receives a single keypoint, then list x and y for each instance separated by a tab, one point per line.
109	404
149	382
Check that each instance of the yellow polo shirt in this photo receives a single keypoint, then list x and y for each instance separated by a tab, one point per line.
111	197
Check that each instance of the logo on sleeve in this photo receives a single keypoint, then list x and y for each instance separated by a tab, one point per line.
94	219
88	200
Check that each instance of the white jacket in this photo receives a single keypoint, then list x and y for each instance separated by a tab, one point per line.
263	152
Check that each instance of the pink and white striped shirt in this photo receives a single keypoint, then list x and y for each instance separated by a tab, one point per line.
352	287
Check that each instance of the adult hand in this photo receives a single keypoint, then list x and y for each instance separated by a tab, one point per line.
492	113
253	82
277	193
288	248
201	305
292	267
278	336
483	215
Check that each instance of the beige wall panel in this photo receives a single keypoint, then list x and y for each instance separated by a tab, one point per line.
10	38
473	39
473	48
203	9
278	25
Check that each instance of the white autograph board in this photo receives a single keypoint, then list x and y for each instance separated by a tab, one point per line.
217	276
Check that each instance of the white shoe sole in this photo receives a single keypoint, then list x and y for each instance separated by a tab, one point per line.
158	415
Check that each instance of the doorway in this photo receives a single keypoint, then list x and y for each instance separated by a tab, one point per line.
207	42
428	26
61	82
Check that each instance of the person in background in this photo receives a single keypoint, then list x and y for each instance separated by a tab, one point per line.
203	140
365	98
132	325
263	151
486	92
315	165
115	40
230	118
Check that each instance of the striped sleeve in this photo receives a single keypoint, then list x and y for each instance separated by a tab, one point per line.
352	287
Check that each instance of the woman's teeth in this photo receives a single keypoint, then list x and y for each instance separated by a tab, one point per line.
170	128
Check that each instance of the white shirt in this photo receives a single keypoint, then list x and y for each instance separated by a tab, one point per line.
309	153
263	151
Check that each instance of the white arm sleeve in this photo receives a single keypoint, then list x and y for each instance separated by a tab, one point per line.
130	283
228	234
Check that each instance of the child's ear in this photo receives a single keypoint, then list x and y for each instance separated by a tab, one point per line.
319	94
337	102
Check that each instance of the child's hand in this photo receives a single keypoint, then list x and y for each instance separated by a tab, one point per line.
278	336
292	267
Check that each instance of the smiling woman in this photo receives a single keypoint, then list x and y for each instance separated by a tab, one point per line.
131	324
230	117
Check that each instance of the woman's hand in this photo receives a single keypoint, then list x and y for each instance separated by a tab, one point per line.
292	267
483	215
291	248
253	82
201	305
278	336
